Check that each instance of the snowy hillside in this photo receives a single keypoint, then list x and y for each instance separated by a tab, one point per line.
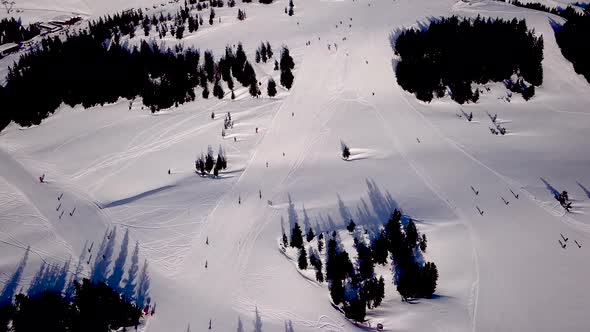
211	243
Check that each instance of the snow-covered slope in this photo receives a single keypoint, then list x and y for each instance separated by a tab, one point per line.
503	270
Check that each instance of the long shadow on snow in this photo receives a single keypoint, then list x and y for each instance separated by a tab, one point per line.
586	191
136	197
551	189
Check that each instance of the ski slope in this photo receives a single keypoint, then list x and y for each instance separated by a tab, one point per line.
500	270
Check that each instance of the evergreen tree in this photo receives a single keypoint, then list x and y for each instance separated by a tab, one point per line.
276	65
287	78
286	60
209	65
321	242
218	90
205	92
310	234
271	88
211	16
302	259
253	89
209	160
351	226
364	261
379	248
269	52
336	291
296	237
257	56
412	234
423	243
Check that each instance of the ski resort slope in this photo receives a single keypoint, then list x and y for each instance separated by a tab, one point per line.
212	243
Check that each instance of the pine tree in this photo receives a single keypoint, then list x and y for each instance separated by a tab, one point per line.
206	92
321	242
209	161
423	243
310	234
269	52
336	291
271	88
345	150
257	56
253	89
296	237
411	234
351	226
218	90
287	78
286	59
276	65
211	16
302	260
379	248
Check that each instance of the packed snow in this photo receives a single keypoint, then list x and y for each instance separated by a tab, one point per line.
500	262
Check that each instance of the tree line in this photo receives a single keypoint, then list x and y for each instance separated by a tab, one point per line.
453	53
13	31
354	286
85	69
94	307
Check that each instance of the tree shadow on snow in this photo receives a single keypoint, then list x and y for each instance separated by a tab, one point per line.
51	278
103	257
550	188
586	191
136	197
12	283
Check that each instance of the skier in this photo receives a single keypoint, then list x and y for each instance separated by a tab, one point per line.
209	324
283	154
267	164
292	113
239	199
260	193
257	130
235	139
205	264
207	241
168	171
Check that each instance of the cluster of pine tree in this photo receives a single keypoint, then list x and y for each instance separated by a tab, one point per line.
13	31
84	70
572	40
354	286
94	307
263	52
207	163
413	280
453	53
